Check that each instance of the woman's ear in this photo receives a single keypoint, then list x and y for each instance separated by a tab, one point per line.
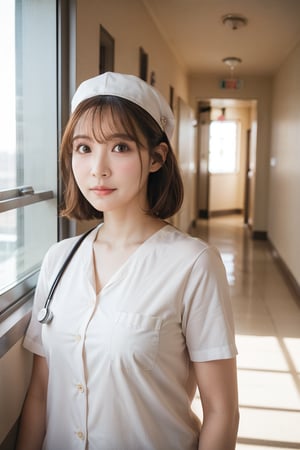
159	157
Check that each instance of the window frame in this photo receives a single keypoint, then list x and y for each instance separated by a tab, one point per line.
16	300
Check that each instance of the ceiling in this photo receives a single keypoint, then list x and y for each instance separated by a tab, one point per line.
199	39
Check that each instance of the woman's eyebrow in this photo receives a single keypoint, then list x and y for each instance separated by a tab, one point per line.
112	136
80	136
120	136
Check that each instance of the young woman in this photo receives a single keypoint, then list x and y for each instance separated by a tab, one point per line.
141	316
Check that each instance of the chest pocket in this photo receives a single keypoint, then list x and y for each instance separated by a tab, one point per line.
134	341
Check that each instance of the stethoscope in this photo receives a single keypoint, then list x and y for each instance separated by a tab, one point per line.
45	315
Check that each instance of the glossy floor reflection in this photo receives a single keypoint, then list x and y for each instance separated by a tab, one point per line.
267	318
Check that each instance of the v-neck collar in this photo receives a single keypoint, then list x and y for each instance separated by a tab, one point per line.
120	273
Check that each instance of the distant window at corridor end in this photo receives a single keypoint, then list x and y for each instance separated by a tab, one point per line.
223	146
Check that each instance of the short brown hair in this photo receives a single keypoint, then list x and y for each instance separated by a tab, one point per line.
165	187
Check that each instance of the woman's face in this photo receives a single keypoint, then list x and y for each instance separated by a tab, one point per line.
111	172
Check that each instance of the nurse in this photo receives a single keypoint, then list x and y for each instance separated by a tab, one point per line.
141	316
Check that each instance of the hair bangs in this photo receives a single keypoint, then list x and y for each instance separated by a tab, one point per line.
108	116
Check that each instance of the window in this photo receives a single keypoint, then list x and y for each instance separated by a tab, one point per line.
223	147
28	145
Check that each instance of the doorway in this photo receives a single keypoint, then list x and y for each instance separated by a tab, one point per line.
226	192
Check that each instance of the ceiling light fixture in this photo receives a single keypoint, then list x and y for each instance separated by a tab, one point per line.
232	62
234	21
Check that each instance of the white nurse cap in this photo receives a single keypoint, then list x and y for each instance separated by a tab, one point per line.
131	88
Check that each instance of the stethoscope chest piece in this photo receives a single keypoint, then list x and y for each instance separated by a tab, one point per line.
45	315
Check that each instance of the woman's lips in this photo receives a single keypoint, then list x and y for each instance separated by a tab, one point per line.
102	190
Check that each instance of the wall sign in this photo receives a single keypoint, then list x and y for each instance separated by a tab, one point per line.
231	83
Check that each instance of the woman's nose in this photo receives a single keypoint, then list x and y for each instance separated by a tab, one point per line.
100	166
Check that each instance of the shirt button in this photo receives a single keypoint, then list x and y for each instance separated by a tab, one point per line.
80	435
77	338
80	387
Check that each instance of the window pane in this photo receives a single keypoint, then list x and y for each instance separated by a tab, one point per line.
28	148
22	242
223	147
7	95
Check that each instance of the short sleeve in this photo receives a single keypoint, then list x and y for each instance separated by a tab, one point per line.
207	318
33	339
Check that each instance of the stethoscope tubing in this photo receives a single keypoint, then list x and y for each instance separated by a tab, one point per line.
45	315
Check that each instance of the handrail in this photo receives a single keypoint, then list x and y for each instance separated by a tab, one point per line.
10	295
21	196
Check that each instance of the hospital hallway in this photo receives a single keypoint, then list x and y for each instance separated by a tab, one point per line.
267	321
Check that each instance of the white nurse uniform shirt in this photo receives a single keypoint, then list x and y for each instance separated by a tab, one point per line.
119	362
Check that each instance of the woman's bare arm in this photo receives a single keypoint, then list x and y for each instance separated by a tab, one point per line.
33	419
217	383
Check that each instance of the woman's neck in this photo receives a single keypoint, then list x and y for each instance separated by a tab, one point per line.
117	231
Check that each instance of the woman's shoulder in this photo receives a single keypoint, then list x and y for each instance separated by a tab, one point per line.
180	236
183	242
176	247
62	246
60	250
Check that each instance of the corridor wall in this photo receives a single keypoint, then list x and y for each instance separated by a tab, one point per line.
284	198
131	26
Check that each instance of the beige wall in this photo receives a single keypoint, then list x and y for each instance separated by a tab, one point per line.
252	162
187	161
131	26
15	372
284	203
258	88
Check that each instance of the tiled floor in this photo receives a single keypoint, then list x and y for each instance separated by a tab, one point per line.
267	318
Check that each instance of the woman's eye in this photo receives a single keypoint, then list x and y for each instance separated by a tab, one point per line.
121	148
82	149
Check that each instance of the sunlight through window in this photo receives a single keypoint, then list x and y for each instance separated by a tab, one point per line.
28	92
223	146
